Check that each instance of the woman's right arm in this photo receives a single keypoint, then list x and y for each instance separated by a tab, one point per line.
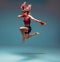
19	16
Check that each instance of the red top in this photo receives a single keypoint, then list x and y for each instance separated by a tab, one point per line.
26	20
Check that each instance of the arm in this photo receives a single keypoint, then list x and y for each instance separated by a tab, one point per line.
20	16
34	19
39	21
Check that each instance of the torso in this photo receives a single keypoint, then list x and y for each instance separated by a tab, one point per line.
27	21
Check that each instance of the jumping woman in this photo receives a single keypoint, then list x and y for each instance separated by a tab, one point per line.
26	29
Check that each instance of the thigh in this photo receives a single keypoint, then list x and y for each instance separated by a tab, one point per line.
29	30
24	28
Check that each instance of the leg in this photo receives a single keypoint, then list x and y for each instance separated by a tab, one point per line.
31	35
27	35
23	30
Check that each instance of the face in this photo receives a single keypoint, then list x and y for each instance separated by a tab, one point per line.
25	14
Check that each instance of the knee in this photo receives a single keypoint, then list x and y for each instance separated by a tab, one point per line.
20	28
27	36
23	28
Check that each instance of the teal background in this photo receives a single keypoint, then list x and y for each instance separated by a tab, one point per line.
45	10
41	48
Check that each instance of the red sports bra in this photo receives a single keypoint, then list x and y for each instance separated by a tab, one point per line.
27	20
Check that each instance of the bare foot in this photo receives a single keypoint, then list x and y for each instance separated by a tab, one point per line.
36	33
31	35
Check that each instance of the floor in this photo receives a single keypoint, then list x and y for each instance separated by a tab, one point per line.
29	54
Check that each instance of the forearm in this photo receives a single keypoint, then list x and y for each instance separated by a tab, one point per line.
37	20
19	16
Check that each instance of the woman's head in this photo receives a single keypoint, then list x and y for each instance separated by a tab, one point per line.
25	7
27	10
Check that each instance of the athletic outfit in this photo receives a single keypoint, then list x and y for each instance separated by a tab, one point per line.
27	21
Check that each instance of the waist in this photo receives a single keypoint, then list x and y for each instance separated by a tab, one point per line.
26	24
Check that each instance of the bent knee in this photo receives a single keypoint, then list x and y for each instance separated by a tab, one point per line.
21	28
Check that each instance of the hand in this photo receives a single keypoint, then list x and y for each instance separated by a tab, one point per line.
18	15
42	23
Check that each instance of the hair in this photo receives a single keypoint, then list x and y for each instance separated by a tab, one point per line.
25	8
23	5
28	9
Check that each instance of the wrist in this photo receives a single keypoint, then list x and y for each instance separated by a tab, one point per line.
40	21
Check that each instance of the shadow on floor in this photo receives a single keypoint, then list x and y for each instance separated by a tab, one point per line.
28	56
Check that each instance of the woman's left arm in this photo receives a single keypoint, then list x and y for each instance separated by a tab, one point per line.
34	19
39	21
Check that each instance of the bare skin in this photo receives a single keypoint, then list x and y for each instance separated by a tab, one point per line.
25	29
24	8
23	5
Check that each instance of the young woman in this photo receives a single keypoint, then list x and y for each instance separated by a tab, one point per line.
26	29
